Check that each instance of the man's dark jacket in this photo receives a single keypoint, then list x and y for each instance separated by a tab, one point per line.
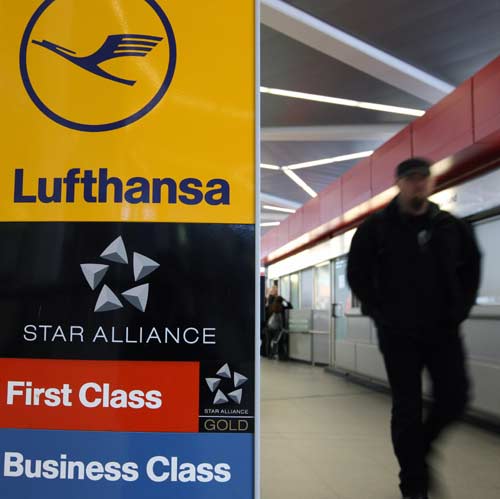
414	275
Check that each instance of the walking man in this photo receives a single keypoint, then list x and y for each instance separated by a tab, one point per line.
416	271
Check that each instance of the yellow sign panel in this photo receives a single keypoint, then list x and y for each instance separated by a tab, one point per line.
128	110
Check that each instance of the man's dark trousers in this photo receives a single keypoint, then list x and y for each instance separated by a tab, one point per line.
405	358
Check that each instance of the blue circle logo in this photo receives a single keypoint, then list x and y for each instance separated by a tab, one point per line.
104	67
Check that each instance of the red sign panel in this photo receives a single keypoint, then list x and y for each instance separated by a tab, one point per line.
99	395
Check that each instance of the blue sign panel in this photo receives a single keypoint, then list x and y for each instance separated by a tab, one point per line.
61	464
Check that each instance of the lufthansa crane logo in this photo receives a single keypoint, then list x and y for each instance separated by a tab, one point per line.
112	67
114	46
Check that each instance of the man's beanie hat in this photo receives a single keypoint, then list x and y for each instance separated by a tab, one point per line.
413	165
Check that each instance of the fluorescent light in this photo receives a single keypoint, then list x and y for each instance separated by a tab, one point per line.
342	102
327	161
278	208
269	167
293	176
391	109
269	224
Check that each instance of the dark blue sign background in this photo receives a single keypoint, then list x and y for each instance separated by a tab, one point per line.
235	450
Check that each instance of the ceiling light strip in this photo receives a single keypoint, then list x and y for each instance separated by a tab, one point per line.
278	208
327	161
269	167
293	176
269	224
343	102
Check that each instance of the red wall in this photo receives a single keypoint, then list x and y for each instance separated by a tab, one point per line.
463	127
386	157
356	185
447	127
486	91
330	202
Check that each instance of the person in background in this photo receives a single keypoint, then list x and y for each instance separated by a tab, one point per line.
275	324
416	269
265	335
271	296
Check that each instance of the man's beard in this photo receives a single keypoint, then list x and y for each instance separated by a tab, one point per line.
417	203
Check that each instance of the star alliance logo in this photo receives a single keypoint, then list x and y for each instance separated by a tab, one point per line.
225	376
137	296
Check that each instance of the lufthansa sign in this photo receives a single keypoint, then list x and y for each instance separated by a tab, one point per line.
104	58
111	103
127	220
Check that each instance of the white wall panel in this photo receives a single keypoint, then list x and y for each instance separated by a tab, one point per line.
321	348
320	253
358	328
300	346
488	237
482	339
486	387
476	195
345	355
369	362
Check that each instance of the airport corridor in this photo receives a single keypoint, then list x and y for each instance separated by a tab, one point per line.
324	437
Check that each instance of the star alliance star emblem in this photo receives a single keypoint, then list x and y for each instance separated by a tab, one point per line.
224	373
116	253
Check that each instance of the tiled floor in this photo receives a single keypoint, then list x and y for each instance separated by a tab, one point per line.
326	438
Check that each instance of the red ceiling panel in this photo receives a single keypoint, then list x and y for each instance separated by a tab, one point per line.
356	185
283	233
486	92
330	202
269	242
264	245
447	127
311	214
295	229
387	157
263	249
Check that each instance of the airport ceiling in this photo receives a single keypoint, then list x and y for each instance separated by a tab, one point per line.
403	53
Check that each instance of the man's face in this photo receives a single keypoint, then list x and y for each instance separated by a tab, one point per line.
415	189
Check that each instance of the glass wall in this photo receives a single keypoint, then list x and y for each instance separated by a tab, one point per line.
322	286
294	290
284	287
306	288
342	295
488	238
